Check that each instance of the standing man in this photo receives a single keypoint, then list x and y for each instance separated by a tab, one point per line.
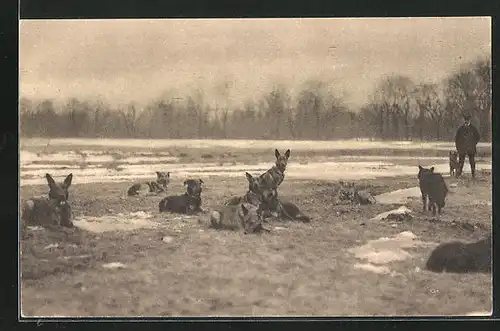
466	140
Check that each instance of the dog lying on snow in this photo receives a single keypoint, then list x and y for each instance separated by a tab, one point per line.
187	203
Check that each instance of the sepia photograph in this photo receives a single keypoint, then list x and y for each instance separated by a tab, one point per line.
273	167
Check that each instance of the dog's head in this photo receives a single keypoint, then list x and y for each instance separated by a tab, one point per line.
193	188
453	156
251	217
281	160
163	178
59	191
423	171
253	184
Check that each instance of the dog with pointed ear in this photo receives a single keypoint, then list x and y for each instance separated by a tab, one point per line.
282	160
163	179
59	191
194	186
187	203
54	210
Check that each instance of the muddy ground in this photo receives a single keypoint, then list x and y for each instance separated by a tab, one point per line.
297	269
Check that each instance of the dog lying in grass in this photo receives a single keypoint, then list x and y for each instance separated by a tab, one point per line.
54	210
459	257
285	210
236	217
158	186
187	203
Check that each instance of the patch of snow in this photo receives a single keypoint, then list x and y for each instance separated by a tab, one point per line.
385	250
399	211
372	268
168	239
116	222
398	196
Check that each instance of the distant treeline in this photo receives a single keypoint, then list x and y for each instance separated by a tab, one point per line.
398	109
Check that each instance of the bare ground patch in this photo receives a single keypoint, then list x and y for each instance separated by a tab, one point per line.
297	269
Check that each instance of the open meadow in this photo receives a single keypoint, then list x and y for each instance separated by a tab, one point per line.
124	258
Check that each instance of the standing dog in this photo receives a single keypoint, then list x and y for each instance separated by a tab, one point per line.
461	257
243	215
274	177
432	186
453	156
54	210
153	187
188	203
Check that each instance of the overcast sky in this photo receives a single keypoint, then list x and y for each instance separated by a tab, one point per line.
232	60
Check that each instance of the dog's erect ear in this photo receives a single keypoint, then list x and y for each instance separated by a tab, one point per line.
245	210
432	169
451	152
287	153
277	153
67	180
186	182
249	177
201	181
420	167
50	180
168	174
158	174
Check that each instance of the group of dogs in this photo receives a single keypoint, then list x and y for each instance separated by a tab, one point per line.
247	212
261	202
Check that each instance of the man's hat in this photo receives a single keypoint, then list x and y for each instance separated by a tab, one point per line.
467	117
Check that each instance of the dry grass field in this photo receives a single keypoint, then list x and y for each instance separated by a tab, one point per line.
175	266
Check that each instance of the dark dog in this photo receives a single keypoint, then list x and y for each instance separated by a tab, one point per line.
273	178
52	211
461	257
153	187
284	209
453	158
433	187
188	203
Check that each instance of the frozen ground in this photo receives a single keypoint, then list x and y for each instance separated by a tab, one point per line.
245	144
105	160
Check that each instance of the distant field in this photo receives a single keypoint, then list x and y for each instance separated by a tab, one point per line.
155	144
122	160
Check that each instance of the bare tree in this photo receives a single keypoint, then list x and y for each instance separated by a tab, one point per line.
482	70
276	103
129	116
430	106
392	96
